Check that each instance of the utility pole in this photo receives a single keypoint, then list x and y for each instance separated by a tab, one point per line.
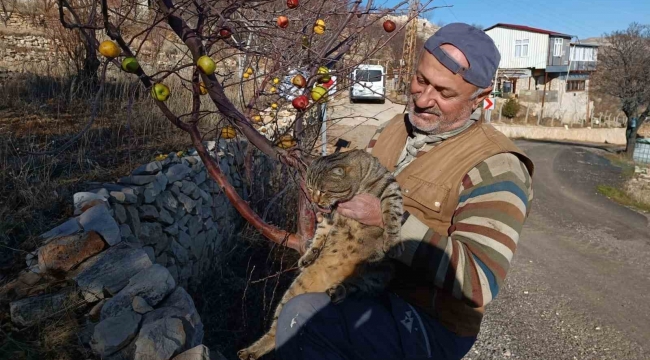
409	50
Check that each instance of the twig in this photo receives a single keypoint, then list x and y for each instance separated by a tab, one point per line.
275	275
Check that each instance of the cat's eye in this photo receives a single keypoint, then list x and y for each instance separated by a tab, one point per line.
338	171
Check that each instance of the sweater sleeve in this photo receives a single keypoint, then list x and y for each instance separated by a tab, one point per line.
471	263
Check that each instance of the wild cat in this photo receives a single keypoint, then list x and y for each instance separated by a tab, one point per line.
345	257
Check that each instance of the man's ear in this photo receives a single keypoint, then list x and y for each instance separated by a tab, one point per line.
482	96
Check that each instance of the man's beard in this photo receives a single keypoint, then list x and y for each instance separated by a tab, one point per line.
440	123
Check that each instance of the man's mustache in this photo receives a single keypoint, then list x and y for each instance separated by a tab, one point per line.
432	110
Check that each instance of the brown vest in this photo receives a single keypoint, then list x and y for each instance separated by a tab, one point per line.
430	187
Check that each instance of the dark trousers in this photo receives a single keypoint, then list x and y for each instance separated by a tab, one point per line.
311	327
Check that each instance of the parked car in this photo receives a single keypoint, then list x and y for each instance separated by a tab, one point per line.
368	83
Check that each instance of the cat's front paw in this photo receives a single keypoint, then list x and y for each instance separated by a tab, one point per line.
393	247
247	354
337	293
308	258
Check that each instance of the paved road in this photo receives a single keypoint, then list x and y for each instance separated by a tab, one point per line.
579	285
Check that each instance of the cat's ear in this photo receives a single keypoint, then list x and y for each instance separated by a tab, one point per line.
338	171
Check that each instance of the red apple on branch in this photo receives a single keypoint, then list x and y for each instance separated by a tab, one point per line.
283	21
301	102
389	26
225	33
292	4
299	81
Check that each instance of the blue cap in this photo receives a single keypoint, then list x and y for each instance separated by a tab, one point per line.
479	49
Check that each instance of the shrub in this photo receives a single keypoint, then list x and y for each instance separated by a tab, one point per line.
510	108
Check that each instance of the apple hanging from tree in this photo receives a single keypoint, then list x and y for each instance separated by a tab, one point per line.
299	81
160	92
292	4
319	92
301	102
389	26
324	73
109	49
225	33
130	64
206	64
283	21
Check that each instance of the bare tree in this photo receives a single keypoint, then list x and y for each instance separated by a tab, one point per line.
623	72
8	7
317	33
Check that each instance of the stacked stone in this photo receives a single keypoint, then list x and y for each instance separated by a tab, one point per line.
131	249
277	123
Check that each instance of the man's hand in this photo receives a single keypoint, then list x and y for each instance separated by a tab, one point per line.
364	208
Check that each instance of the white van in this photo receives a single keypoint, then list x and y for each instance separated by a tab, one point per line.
368	83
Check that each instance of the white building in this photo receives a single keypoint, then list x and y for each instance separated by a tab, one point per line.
544	70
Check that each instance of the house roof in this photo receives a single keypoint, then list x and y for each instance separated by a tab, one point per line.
528	28
584	44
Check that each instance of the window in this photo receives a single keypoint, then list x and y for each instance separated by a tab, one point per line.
521	48
557	47
575	85
368	75
579	53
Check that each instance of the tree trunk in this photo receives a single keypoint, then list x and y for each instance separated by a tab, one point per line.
630	141
88	76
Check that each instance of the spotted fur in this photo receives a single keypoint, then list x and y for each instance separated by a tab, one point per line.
345	257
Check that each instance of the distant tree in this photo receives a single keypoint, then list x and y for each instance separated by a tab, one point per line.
510	108
623	72
7	7
478	26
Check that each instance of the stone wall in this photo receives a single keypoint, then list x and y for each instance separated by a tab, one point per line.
130	251
600	136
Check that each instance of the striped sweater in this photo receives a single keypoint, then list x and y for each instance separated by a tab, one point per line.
495	199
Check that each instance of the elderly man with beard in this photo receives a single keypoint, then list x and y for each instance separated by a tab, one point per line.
467	191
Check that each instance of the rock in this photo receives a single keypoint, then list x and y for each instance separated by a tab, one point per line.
163	244
69	227
187	202
207	198
31	310
206	212
175	189
125	231
150	252
152	284
165	217
123	198
85	200
101	191
120	213
195	224
182	301
179	252
86	331
210	145
196	194
151	168
148	212
150	196
162	259
140	305
200	352
150	232
177	172
137	179
31	259
184	220
99	220
200	178
160	339
112	334
186	271
65	253
172	229
133	219
174	271
188	187
95	312
161	181
110	270
180	213
198	244
208	224
169	202
184	239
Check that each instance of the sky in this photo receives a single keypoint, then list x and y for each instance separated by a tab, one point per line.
581	18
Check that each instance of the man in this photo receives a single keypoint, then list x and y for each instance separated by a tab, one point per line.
467	191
